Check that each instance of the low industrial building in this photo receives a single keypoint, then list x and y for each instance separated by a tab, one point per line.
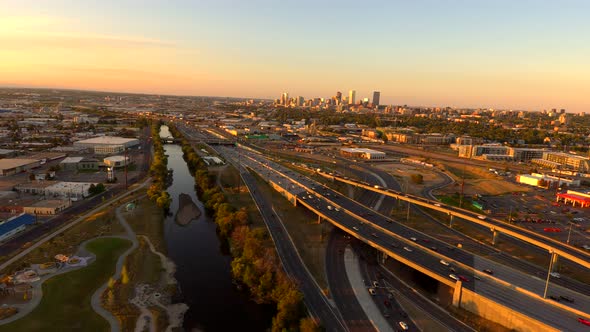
47	207
362	153
79	163
105	145
15	225
71	190
543	180
11	166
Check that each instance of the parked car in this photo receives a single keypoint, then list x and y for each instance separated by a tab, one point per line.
372	291
403	325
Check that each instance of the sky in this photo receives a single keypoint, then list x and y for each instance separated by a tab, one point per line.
521	54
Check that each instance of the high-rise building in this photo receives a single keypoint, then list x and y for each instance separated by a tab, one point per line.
376	97
300	101
285	98
351	97
338	97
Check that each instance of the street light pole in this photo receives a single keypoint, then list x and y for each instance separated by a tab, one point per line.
569	233
548	275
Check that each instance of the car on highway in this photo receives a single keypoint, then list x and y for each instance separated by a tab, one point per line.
374	235
445	263
555	275
329	207
452	276
554	298
437	204
584	321
337	209
414	239
566	298
355	228
372	291
463	278
395	245
488	271
433	248
408	249
481	217
403	325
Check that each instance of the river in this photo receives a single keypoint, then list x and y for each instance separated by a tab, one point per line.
203	269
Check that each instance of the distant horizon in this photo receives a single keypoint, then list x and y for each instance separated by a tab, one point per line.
502	54
15	87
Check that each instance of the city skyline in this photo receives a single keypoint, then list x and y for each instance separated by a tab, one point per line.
494	55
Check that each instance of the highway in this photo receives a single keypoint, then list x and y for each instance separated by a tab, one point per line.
565	251
387	233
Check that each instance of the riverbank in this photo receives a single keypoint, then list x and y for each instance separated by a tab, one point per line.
254	258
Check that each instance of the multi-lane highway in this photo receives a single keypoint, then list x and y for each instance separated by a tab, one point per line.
559	248
393	237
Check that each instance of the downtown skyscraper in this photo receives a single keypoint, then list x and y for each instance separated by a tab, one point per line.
351	97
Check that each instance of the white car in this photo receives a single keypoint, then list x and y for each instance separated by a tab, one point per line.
408	249
372	291
482	217
452	276
414	239
437	204
355	228
555	275
403	325
330	207
443	262
337	209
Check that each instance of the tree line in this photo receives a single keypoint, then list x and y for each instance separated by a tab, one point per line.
254	259
158	170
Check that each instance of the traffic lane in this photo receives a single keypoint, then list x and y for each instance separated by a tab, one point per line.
392	312
438	313
340	288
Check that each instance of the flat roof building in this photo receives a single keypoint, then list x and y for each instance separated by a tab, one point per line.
362	153
10	166
107	144
47	207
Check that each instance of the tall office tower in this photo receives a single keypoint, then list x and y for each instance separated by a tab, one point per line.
300	101
376	97
338	97
285	98
351	97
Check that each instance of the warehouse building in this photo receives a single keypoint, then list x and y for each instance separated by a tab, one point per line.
15	225
47	207
10	166
362	153
105	145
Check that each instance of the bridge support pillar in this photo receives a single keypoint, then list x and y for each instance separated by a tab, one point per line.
554	260
451	221
383	257
457	294
495	236
319	219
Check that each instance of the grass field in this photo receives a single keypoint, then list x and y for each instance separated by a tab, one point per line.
148	219
309	237
65	305
99	224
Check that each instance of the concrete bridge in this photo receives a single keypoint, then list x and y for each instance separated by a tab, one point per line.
554	247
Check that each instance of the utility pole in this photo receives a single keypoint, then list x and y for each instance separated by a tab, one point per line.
125	168
462	186
548	275
569	233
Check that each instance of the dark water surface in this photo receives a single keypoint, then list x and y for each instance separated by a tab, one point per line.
203	269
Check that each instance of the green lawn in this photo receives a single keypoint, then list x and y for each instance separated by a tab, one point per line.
65	305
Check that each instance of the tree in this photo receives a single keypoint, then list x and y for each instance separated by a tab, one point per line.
309	324
417	178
